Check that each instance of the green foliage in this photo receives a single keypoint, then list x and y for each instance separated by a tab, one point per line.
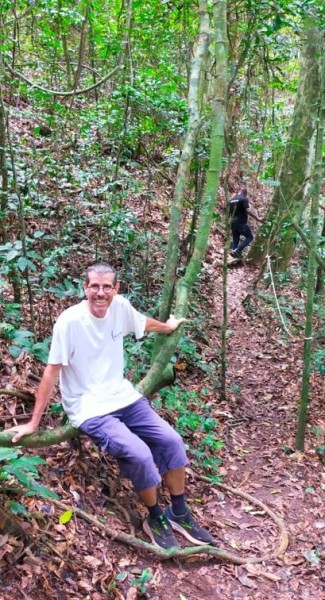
188	351
18	509
142	580
23	469
318	360
314	556
22	340
137	357
195	424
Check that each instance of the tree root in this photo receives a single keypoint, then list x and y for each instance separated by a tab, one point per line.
219	553
284	540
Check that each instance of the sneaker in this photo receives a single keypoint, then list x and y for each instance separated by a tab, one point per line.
235	254
160	532
188	527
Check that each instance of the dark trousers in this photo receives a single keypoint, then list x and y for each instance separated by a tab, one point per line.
240	229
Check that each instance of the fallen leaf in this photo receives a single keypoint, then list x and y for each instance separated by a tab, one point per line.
132	593
247	582
66	516
93	561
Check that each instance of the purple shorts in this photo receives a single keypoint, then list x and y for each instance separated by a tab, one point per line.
144	445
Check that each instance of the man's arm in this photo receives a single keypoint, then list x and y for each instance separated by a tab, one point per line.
171	324
43	396
252	214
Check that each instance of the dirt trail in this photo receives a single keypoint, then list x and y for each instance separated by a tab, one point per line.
264	376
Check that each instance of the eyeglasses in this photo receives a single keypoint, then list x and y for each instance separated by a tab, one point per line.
107	288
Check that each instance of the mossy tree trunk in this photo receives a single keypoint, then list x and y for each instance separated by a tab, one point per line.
320	270
183	172
218	121
313	236
277	237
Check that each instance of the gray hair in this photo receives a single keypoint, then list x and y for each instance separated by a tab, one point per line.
100	268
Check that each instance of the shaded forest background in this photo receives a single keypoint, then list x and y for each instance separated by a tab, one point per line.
124	129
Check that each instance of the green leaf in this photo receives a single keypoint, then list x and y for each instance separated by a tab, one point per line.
121	576
12	254
22	263
66	516
27	463
56	408
38	234
15	351
17	508
40	490
7	454
6	329
28	480
21	335
313	557
20	474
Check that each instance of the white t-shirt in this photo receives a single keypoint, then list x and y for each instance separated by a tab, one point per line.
90	350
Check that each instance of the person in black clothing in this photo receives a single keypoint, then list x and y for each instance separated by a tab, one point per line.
239	209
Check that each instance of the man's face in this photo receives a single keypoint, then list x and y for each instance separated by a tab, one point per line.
100	292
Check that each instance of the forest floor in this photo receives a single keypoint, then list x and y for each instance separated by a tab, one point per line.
257	424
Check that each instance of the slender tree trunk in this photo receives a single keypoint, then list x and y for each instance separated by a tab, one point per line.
64	41
300	440
209	199
320	271
126	57
224	331
13	274
3	171
82	45
186	157
22	224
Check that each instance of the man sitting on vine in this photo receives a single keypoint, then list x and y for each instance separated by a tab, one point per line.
87	353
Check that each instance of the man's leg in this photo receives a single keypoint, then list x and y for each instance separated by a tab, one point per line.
235	236
236	239
168	450
136	463
175	481
246	231
133	455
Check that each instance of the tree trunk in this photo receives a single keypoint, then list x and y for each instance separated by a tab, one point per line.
320	271
277	237
3	171
209	198
300	441
186	157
